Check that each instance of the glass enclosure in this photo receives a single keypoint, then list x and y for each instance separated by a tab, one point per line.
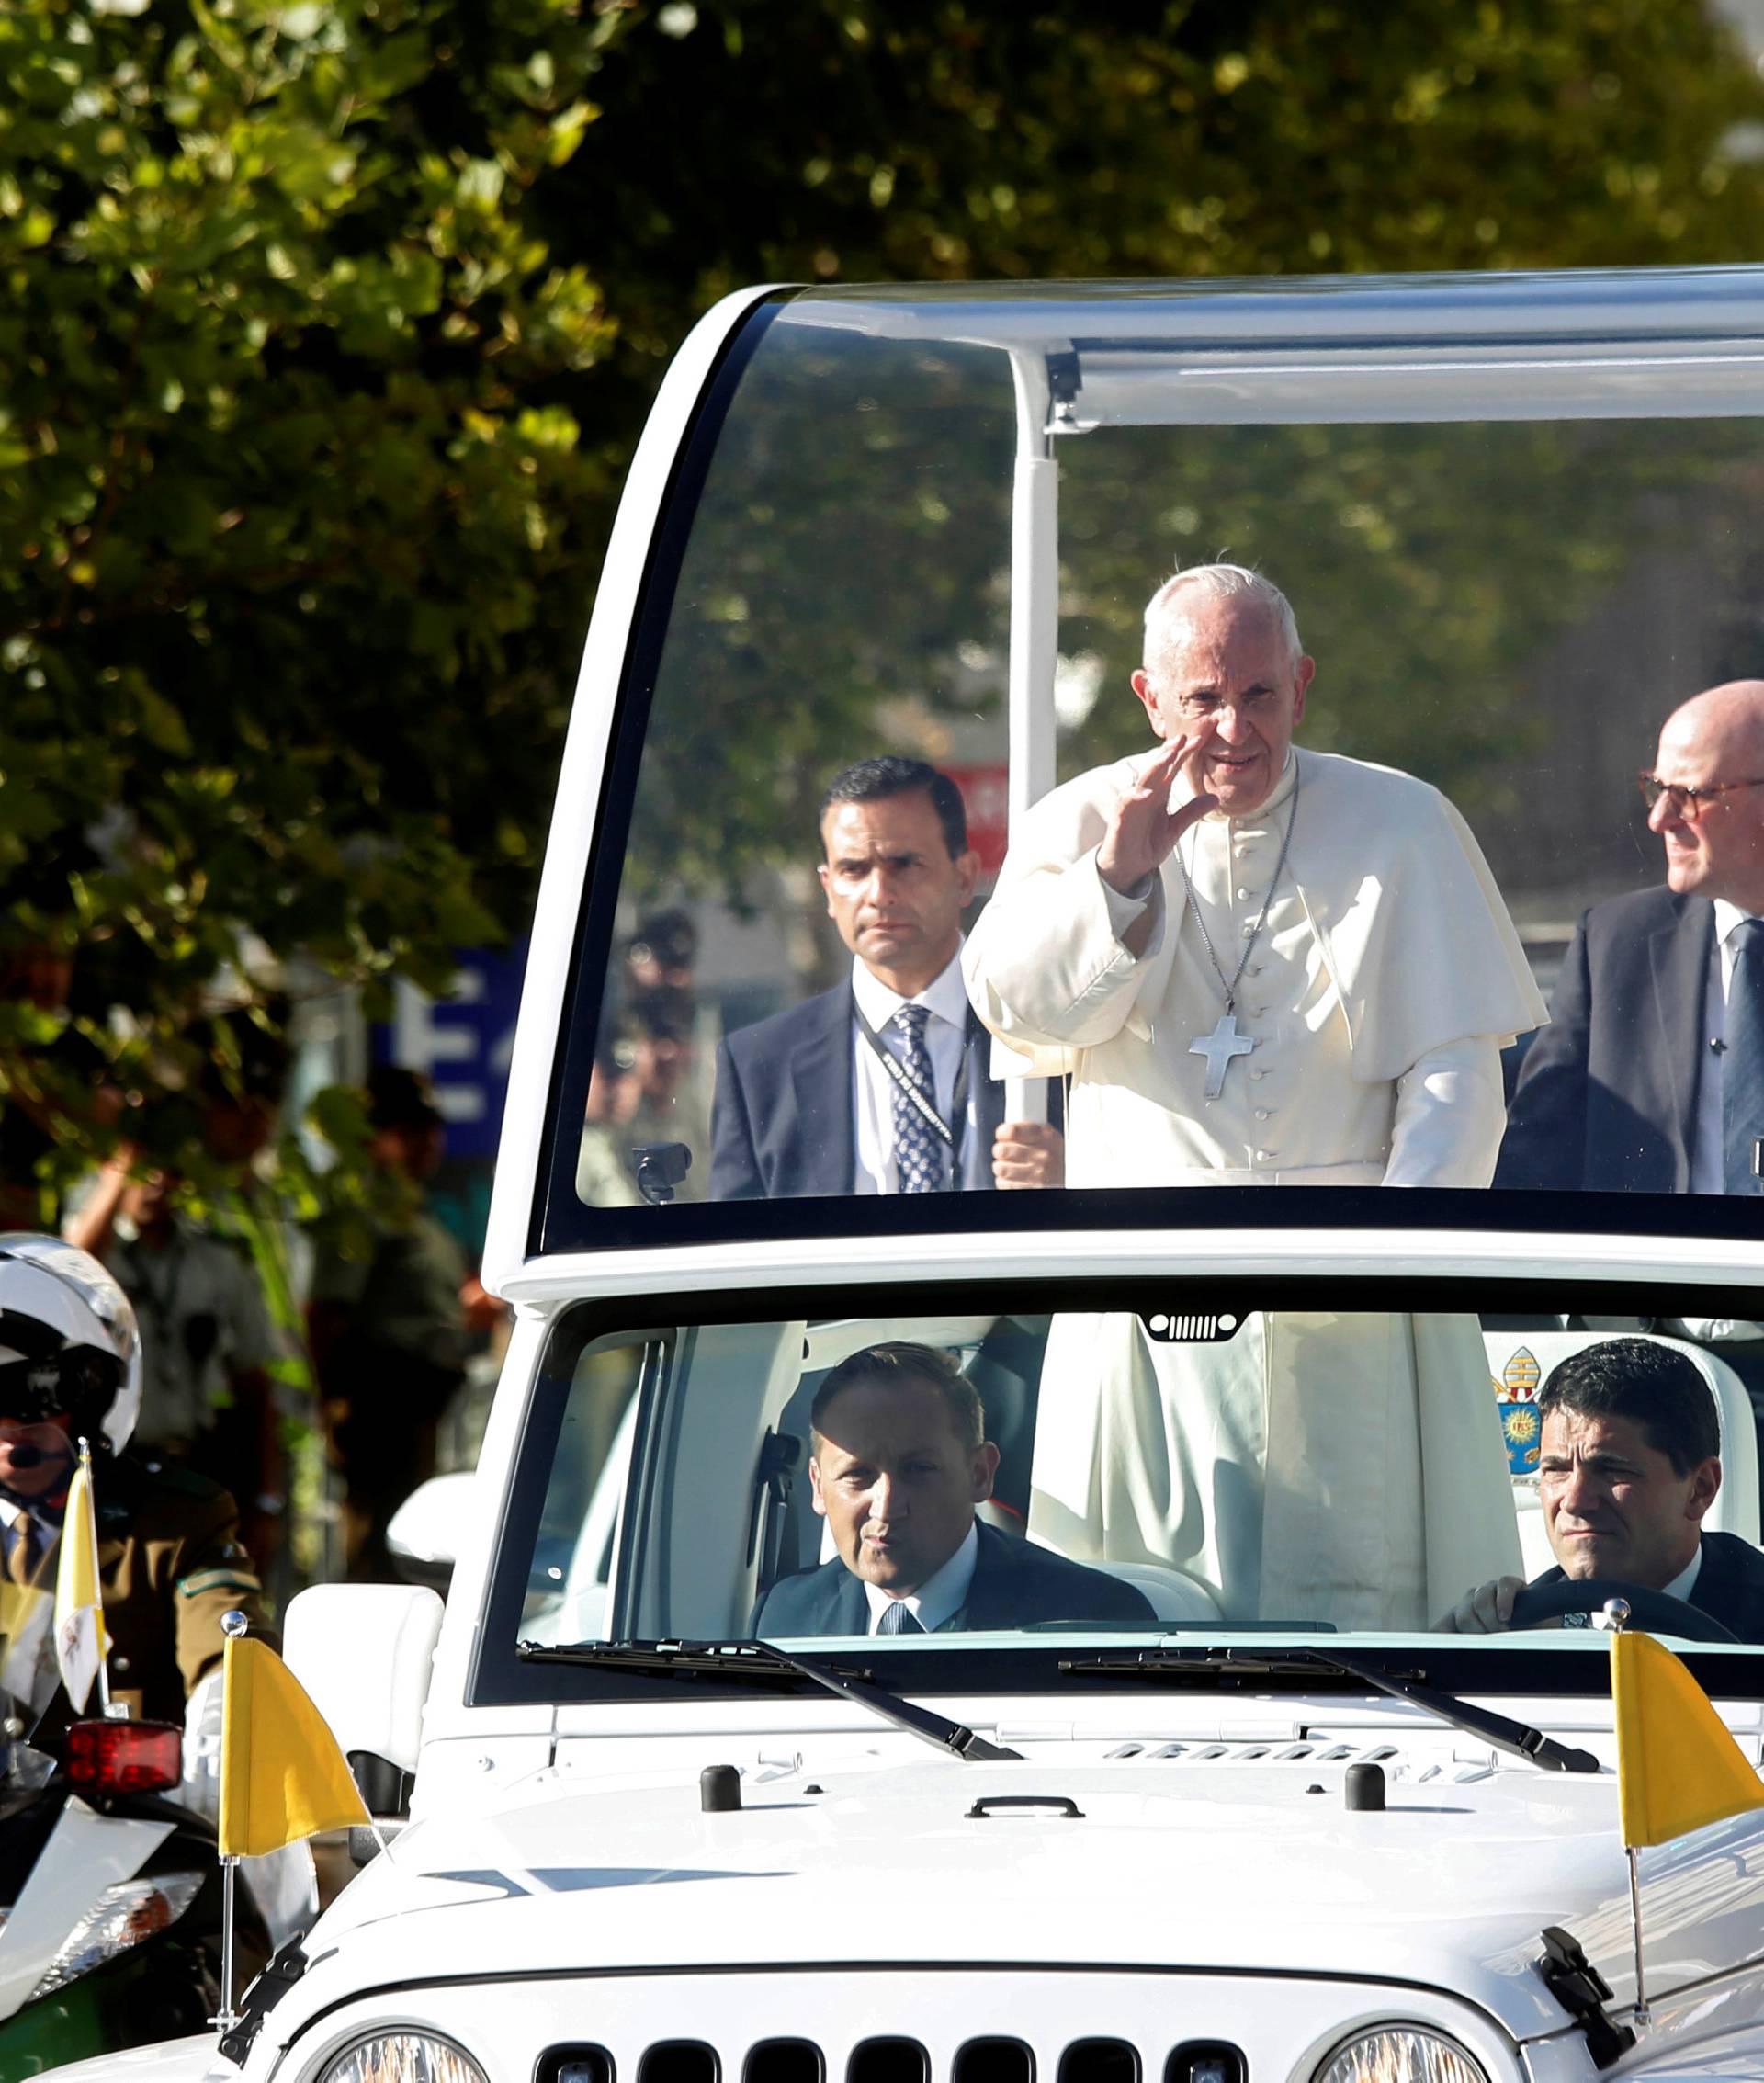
1513	521
1022	1475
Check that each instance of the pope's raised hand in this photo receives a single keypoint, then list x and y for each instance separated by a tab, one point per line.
1143	832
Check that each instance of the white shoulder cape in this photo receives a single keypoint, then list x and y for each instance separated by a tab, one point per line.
1411	923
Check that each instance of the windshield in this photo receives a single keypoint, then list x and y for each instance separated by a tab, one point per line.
1515	539
982	1481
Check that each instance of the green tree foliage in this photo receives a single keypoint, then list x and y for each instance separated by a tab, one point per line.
325	331
283	501
832	578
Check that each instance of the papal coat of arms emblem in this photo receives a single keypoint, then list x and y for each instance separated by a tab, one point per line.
1516	1393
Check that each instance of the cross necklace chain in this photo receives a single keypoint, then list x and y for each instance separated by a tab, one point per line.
1224	1041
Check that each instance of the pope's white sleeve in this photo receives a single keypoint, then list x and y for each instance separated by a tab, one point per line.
1046	966
1451	1111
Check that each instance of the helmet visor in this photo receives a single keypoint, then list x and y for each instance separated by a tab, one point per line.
37	1385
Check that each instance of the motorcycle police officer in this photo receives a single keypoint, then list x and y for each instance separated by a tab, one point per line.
170	1561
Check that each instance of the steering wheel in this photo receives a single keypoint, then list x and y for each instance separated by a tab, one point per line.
1648	1609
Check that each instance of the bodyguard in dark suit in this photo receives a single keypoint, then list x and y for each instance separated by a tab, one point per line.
1628	1466
900	1459
1650	1075
1607	1097
880	1085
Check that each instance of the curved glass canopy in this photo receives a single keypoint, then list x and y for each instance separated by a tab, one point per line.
1514	517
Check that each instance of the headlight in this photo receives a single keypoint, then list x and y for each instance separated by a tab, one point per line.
403	2057
121	1917
1400	2053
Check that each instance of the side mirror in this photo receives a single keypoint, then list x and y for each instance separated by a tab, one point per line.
364	1653
424	1535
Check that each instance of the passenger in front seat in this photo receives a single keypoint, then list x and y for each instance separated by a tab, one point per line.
900	1459
1628	1466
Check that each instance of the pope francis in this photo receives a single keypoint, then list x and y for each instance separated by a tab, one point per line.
1255	966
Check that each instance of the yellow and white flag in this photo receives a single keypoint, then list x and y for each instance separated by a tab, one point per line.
81	1643
282	1775
1679	1767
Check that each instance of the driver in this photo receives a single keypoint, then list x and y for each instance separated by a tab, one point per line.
900	1460
1628	1466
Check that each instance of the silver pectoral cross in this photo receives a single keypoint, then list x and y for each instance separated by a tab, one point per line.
1219	1048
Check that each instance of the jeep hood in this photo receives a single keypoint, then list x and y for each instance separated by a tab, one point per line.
1251	1870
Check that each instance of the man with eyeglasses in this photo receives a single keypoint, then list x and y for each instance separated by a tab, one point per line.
1650	1075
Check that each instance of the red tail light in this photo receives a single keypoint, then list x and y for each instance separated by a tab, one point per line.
125	1757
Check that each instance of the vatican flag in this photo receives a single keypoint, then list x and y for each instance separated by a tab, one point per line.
81	1643
1677	1766
282	1775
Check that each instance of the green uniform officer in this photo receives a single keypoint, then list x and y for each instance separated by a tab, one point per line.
170	1561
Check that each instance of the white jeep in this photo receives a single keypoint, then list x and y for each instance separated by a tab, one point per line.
1262	1821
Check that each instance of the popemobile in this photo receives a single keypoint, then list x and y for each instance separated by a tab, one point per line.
1151	1628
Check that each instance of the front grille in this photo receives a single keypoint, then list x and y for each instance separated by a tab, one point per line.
784	2061
884	2059
1100	2061
993	2061
888	2061
678	2060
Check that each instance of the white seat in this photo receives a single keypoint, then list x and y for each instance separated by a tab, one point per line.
1172	1594
1736	1509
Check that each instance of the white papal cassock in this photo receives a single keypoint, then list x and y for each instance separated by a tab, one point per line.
1318	1466
1382	986
1340	1468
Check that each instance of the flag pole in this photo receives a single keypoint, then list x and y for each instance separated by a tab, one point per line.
226	2017
104	1644
1643	2015
232	1625
1613	1619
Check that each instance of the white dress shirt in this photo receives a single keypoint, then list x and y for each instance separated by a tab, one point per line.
1684	1582
945	999
1708	1163
942	1595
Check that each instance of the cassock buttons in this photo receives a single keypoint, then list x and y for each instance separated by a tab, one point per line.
1263	1112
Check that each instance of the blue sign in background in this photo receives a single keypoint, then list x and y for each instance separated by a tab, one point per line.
464	1042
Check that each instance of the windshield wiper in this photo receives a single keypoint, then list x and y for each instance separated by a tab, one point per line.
760	1659
1298	1661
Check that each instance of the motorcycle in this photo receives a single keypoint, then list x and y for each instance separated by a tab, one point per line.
111	1929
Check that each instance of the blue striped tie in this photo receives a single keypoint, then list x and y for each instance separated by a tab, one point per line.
1742	1062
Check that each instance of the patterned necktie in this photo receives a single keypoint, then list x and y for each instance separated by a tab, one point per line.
898	1619
1742	1062
918	1148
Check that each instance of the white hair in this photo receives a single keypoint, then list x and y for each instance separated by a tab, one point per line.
1223	582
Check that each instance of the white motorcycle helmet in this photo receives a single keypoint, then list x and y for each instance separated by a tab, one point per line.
68	1341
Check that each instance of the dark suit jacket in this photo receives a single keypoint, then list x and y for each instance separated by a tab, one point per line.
781	1123
1015	1583
1608	1094
1729	1586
